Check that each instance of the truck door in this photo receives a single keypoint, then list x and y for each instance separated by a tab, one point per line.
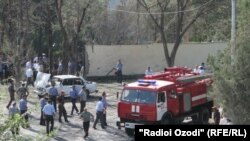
161	105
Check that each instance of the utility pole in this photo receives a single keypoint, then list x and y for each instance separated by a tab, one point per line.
233	34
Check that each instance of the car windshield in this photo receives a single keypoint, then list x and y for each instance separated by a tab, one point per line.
139	96
69	82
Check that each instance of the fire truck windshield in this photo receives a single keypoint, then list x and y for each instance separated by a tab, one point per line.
139	96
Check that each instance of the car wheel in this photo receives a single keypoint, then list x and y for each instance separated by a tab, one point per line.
166	119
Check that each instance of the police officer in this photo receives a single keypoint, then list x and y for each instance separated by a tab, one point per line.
73	95
53	94
43	102
23	109
99	113
49	112
83	98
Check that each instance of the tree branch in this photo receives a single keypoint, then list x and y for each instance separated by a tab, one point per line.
197	15
83	16
59	15
145	6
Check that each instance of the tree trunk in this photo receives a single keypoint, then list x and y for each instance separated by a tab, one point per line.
174	51
40	36
180	26
66	51
20	44
2	28
50	40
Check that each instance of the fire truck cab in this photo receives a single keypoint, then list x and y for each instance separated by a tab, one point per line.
165	98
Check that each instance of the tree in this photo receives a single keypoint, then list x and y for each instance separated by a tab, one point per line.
43	16
73	16
15	32
114	27
231	88
212	27
187	12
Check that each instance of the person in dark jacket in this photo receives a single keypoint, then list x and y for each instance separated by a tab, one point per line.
11	90
22	91
62	110
86	116
216	116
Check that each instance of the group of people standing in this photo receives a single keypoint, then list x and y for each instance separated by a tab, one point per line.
52	98
52	102
36	64
48	112
22	109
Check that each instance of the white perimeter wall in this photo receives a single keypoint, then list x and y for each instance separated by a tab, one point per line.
136	58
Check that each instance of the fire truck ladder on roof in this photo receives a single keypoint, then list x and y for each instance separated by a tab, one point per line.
173	72
187	79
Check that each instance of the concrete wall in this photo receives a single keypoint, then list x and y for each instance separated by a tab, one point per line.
136	58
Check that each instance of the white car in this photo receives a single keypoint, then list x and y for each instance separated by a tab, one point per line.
63	83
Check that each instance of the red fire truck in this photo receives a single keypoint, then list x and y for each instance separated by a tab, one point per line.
165	98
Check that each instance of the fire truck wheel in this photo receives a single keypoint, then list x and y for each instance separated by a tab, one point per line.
178	121
130	132
195	119
204	116
166	119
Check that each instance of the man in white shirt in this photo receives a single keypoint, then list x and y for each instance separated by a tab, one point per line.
118	72
28	65
99	113
149	71
60	68
196	69
49	111
29	74
83	98
36	69
201	70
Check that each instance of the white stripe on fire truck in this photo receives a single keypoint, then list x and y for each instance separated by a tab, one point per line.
137	110
198	97
133	108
